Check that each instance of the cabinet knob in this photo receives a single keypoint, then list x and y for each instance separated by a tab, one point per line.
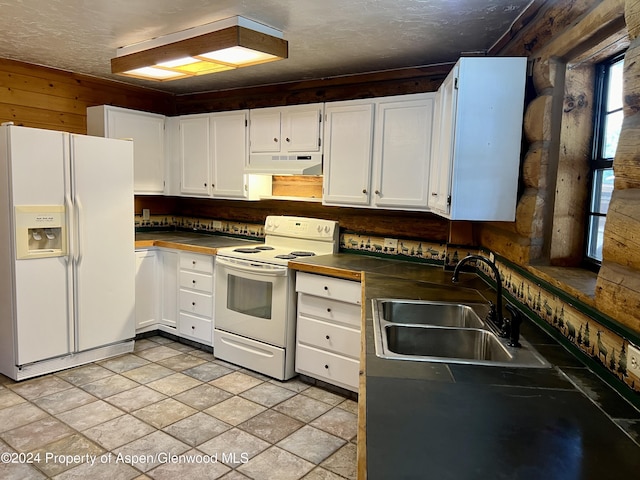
193	327
434	194
193	303
213	185
377	192
326	288
364	190
193	262
288	139
328	310
327	337
275	140
326	366
205	184
193	281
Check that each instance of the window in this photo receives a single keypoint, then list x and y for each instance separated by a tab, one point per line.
607	125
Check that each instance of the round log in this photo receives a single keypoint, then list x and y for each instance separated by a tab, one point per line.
537	119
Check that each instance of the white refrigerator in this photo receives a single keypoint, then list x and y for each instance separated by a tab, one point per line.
67	262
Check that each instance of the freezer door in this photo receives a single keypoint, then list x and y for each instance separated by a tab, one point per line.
102	172
42	319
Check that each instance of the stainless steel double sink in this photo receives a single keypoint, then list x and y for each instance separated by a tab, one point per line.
445	332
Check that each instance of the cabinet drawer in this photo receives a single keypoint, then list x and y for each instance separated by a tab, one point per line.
327	309
328	336
196	281
198	303
329	287
195	262
197	328
327	366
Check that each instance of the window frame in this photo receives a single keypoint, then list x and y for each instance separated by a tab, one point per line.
596	161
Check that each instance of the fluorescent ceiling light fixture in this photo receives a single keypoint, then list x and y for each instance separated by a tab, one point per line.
215	47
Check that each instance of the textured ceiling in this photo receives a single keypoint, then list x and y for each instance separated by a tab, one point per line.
326	37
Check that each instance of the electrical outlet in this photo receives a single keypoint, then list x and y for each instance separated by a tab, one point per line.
146	214
391	243
633	360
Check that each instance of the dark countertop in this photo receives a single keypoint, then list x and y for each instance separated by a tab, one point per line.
446	421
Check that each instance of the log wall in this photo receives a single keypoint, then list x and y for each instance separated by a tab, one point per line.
618	285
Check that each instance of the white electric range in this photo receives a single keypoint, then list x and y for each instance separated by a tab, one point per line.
254	324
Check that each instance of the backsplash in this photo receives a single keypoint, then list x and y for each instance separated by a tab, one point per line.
202	225
579	324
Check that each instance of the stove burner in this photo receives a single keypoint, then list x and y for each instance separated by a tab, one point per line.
286	256
302	254
246	250
264	247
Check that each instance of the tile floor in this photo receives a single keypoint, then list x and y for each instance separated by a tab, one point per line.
171	411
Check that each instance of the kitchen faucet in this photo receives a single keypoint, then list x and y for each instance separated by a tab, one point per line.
511	327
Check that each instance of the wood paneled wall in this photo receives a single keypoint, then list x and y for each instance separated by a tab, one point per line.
397	224
41	97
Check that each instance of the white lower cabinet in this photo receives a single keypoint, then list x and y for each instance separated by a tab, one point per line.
146	288
174	293
168	262
195	297
328	329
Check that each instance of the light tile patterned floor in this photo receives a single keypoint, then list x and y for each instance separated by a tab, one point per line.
171	411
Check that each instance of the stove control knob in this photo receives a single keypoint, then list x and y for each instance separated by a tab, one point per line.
327	228
319	227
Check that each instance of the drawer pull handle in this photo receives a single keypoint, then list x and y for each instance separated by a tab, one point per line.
327	337
327	367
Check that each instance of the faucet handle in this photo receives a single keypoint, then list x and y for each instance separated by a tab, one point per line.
514	325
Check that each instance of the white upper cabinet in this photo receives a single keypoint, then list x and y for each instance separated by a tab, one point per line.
348	150
286	130
402	152
193	134
228	137
378	152
477	140
213	153
147	132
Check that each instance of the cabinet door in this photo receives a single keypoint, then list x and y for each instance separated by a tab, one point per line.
264	130
146	288
442	152
169	287
402	152
348	133
147	132
301	128
194	154
228	136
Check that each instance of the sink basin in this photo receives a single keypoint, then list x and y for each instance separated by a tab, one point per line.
445	332
452	343
443	314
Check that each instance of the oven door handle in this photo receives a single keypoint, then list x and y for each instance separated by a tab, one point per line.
259	269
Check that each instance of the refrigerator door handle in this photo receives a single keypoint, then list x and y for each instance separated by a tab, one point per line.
79	217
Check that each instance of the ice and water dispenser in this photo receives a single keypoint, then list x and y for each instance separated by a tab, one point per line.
40	231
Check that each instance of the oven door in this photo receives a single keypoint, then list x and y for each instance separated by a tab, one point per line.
251	299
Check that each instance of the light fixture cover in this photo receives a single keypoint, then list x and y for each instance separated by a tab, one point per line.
224	45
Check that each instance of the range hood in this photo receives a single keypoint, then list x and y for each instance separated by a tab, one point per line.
302	164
